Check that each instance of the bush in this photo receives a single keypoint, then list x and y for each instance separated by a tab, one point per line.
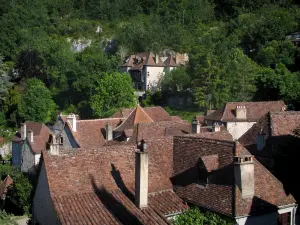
196	217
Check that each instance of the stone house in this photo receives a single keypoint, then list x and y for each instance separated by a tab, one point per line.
239	117
115	184
223	177
27	145
146	68
275	145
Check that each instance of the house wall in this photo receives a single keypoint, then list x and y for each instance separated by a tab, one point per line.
154	74
267	219
27	158
237	129
43	209
37	158
16	153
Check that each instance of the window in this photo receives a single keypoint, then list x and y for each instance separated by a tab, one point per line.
260	141
61	140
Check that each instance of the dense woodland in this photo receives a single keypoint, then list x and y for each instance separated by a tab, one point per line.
238	51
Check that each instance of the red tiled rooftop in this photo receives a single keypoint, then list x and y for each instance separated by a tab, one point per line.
218	195
255	110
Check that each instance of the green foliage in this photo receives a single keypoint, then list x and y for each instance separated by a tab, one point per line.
36	102
6	219
18	197
114	91
196	217
185	114
176	80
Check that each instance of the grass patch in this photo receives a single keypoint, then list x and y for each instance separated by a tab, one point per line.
185	114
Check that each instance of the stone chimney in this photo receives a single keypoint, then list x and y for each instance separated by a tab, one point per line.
196	127
23	131
216	128
156	58
54	146
71	119
108	132
241	112
244	175
30	136
141	176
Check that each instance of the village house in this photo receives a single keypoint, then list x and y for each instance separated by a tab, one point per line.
274	144
223	177
70	133
239	117
27	145
115	184
146	68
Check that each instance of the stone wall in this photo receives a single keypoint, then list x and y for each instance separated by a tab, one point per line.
27	159
237	129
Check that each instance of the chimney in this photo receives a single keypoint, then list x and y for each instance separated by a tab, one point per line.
109	132
30	136
196	127
156	59
244	175
216	128
141	176
54	146
23	131
241	112
71	118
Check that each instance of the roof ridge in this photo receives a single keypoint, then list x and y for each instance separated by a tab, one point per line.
143	111
101	119
205	139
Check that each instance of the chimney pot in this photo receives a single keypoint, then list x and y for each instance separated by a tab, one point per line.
71	119
109	132
244	175
241	112
30	136
23	131
196	127
141	178
54	146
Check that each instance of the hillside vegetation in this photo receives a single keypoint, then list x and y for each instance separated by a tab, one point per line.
238	51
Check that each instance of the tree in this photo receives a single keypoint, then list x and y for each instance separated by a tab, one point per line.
19	194
176	80
5	82
196	217
36	102
114	91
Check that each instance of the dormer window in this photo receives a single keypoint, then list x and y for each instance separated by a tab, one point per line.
260	141
61	140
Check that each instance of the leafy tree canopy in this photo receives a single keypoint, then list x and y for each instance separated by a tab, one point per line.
36	102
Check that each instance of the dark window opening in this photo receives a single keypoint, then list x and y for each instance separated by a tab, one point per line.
61	140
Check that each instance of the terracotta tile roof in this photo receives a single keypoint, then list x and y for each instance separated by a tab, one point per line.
157	113
141	59
4	186
176	118
170	62
156	130
97	185
223	134
72	173
273	124
255	110
40	136
220	194
64	117
90	133
211	162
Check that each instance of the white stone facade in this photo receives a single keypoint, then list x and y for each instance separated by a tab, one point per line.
237	129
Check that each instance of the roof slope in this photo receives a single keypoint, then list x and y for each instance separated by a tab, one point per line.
90	133
255	110
40	136
274	124
98	184
221	194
